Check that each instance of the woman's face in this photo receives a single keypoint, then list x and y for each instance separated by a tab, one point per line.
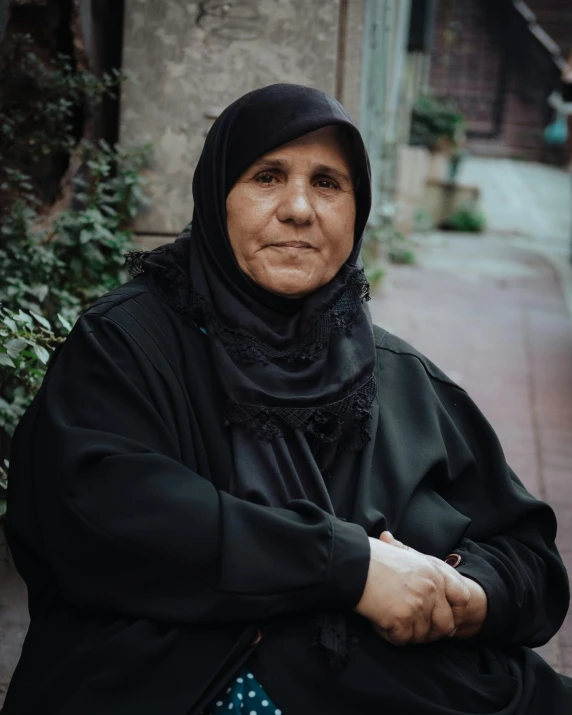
291	215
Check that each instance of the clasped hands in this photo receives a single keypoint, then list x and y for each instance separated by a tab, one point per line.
411	597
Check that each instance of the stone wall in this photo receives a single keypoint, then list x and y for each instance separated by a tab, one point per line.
191	59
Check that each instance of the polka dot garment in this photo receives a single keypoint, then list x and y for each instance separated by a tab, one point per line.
244	695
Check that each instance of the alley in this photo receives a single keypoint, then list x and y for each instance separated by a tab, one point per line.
493	316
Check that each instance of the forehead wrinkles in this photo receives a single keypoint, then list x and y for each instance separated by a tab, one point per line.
325	153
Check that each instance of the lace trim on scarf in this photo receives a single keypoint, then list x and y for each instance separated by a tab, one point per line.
327	423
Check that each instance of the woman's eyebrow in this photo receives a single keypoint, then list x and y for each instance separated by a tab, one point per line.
318	169
270	164
326	169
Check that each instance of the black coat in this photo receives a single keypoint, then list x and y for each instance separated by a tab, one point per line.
148	581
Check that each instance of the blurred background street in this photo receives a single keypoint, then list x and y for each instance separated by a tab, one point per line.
466	110
493	311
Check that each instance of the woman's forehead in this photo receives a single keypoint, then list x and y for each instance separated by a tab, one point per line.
330	141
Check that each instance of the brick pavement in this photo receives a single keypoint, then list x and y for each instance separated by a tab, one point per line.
492	315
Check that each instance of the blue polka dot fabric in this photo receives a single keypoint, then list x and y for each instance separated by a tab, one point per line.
244	695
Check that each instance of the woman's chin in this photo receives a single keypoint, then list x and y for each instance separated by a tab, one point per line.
291	285
288	281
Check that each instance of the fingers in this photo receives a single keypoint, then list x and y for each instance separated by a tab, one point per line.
442	612
422	627
457	596
456	592
426	629
473	616
399	635
418	632
387	636
443	624
411	597
388	538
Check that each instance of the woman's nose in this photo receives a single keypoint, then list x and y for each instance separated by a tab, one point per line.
296	204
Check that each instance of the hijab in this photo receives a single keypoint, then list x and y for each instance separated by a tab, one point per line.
298	374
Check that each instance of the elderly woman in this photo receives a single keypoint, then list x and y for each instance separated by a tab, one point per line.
233	492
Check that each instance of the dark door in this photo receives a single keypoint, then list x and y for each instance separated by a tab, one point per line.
469	60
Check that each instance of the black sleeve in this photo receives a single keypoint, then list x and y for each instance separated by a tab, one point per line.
127	527
509	547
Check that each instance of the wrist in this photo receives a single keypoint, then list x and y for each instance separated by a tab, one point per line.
362	605
349	565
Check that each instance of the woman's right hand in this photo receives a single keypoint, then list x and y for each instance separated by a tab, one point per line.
408	597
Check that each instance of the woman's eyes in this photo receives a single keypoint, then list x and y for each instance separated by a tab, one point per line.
322	183
330	184
265	178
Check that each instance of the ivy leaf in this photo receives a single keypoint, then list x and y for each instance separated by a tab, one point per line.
10	323
42	353
40	290
6	360
24	318
41	320
86	235
15	346
64	322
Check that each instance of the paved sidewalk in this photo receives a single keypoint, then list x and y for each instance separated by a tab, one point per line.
493	316
525	199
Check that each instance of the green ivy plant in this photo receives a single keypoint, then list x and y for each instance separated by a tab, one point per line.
434	120
384	243
26	340
41	104
469	217
54	264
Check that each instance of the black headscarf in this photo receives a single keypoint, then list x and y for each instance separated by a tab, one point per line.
297	374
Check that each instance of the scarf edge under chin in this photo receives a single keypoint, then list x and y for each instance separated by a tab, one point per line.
325	422
240	345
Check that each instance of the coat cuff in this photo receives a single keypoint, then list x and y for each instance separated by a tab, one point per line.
349	564
478	569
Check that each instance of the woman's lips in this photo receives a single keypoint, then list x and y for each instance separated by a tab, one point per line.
292	244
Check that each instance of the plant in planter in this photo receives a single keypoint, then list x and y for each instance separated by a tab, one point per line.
467	218
438	125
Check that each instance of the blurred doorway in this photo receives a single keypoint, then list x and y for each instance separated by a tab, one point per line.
469	61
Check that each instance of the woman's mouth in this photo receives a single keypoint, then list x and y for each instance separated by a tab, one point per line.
292	244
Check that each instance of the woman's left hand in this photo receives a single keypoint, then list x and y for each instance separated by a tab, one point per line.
471	618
